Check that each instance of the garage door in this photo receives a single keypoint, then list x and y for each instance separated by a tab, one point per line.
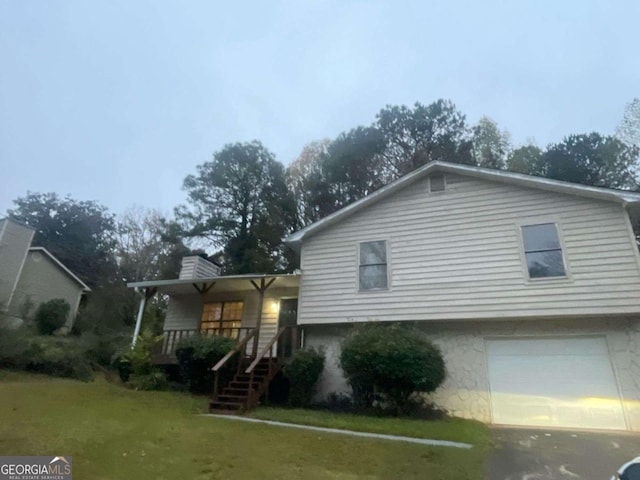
556	381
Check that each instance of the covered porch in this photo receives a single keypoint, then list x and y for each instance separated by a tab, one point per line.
236	306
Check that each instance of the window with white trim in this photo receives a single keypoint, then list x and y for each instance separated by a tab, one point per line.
373	265
543	251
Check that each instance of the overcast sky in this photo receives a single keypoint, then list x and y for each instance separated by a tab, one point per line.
117	101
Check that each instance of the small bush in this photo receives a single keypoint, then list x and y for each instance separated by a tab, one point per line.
59	357
135	365
101	348
14	346
155	380
197	355
303	372
393	360
52	315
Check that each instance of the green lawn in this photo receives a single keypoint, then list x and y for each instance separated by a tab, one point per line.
454	429
115	433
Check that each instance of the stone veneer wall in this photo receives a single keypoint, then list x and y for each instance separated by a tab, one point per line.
465	392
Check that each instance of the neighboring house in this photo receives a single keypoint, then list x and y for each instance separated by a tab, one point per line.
530	287
30	276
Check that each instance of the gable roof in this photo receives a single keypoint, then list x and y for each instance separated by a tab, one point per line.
620	196
61	266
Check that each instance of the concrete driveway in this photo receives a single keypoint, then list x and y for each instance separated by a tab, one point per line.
559	455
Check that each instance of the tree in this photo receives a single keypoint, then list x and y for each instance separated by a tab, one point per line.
629	129
239	202
148	246
418	135
490	144
526	159
81	234
329	175
305	179
352	166
591	159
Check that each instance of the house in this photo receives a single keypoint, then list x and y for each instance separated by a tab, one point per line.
30	275
529	286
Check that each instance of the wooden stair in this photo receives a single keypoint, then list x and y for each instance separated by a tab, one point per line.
242	392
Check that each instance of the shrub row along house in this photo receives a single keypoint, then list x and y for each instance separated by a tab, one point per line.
530	287
30	276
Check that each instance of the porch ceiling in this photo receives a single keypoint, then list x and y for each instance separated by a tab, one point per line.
226	283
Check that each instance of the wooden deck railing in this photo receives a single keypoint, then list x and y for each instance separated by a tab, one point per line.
241	346
275	359
172	337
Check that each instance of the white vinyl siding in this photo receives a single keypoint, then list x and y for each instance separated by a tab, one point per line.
459	256
185	311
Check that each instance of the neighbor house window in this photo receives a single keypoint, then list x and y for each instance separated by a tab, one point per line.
437	182
373	265
543	251
222	318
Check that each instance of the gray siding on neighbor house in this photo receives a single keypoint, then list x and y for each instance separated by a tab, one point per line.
15	240
185	311
457	254
42	280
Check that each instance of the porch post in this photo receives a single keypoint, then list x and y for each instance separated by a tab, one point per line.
261	289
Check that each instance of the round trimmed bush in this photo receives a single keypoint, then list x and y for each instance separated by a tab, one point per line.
52	315
391	359
303	371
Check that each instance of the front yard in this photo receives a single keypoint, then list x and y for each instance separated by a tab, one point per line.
112	432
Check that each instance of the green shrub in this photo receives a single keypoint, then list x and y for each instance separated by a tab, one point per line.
135	365
14	346
393	360
303	371
52	315
59	357
197	355
101	348
155	380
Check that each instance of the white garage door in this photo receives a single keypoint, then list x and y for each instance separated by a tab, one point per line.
556	381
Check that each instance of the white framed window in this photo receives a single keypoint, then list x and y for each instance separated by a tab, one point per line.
437	182
373	265
543	251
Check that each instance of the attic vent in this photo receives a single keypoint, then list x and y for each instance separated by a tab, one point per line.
197	267
437	182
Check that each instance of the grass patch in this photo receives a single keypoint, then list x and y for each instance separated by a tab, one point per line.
454	429
113	432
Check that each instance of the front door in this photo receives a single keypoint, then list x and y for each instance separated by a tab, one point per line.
288	317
